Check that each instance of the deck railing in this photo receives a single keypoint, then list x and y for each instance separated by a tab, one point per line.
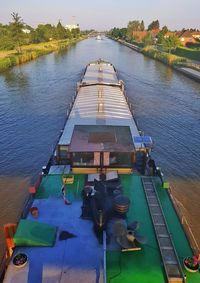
104	256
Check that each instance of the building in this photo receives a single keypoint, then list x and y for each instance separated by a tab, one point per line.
73	26
139	35
168	34
188	36
25	30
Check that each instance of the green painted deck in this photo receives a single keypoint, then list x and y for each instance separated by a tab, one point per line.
143	266
137	266
51	187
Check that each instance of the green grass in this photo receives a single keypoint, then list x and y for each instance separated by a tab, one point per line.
30	52
169	59
18	59
189	53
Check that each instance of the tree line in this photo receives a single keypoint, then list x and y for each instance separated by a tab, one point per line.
17	33
152	35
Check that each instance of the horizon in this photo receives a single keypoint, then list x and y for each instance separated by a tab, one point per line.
104	15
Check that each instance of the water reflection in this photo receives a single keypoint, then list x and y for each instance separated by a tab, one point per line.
16	78
165	73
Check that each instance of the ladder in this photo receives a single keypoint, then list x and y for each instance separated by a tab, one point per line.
168	253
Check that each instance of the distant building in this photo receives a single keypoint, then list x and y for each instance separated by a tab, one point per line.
139	35
70	27
168	34
25	30
188	36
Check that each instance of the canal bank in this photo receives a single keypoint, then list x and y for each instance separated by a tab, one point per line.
179	64
30	52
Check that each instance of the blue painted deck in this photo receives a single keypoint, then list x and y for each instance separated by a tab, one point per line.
73	260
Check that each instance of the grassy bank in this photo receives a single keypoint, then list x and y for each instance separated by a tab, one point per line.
166	58
193	54
30	52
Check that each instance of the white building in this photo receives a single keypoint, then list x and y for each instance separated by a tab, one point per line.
25	30
70	27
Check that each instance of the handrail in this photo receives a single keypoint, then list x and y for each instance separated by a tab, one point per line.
104	256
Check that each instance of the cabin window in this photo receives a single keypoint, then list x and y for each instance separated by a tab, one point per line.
63	152
85	159
117	159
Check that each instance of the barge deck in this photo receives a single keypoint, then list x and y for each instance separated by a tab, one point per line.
80	259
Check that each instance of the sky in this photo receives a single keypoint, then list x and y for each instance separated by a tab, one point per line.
104	14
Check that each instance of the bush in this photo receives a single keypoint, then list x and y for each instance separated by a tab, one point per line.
5	63
169	59
6	43
32	53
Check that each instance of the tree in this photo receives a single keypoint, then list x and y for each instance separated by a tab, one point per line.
60	31
6	43
75	32
142	27
122	33
171	42
115	32
161	34
165	29
45	32
148	39
154	25
16	32
134	26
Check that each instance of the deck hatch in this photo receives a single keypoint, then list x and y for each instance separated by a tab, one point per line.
100	138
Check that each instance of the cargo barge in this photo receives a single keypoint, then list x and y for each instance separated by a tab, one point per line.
101	210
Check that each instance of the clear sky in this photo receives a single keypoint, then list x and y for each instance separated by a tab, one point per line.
104	14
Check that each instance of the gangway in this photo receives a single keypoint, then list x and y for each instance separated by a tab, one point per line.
168	253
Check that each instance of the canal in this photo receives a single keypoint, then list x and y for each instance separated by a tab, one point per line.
33	106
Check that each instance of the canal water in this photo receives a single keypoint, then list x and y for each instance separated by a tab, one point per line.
33	105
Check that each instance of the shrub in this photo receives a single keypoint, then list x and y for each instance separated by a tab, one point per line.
169	59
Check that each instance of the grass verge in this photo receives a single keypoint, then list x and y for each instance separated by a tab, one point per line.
30	52
166	58
193	54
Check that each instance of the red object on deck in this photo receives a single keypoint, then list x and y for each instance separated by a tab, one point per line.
33	189
34	211
9	232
